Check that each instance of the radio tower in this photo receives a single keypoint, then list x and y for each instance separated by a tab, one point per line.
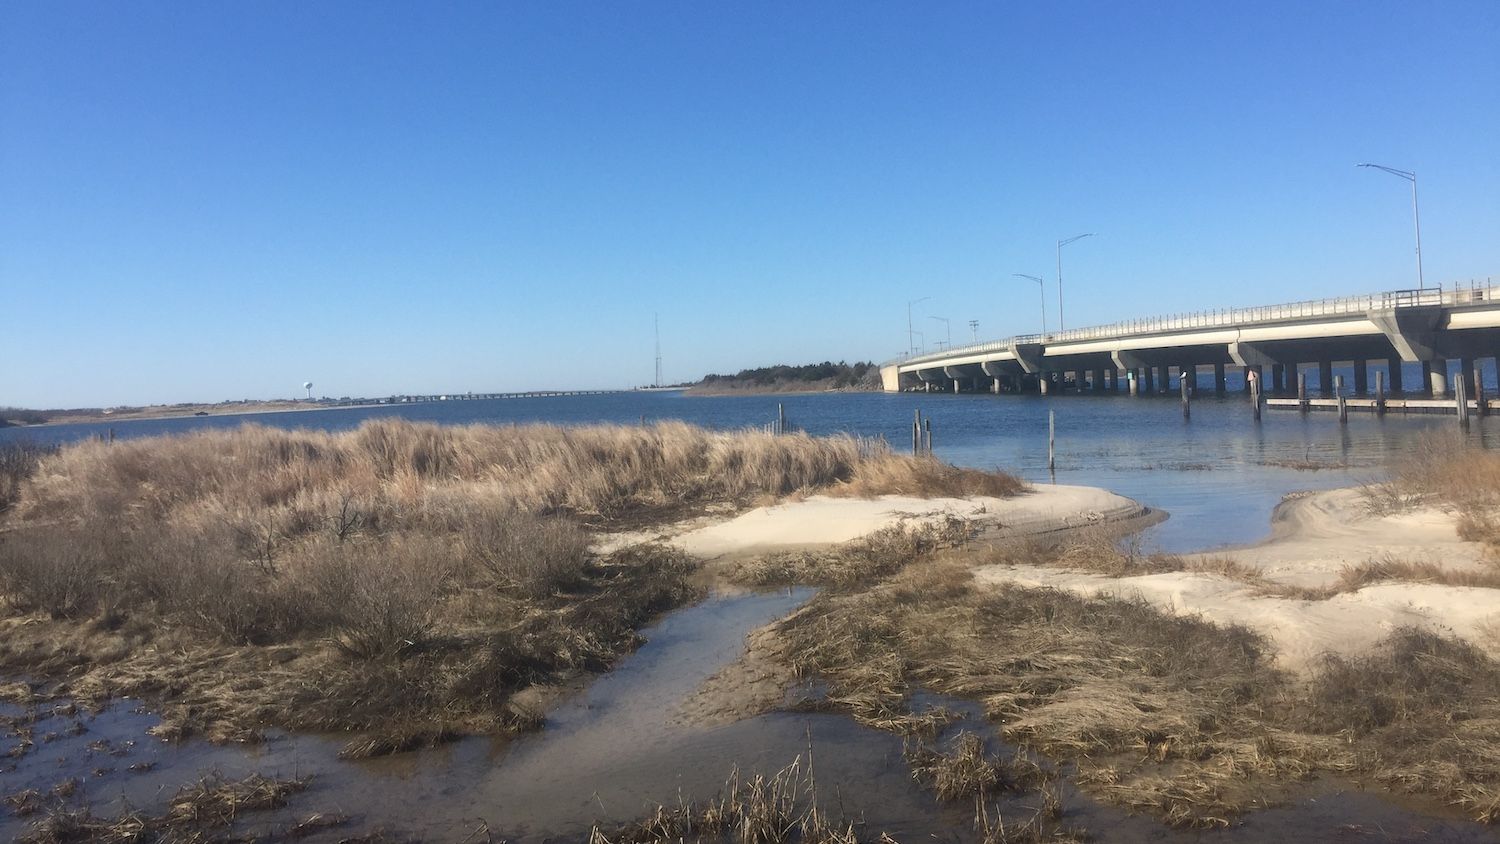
656	323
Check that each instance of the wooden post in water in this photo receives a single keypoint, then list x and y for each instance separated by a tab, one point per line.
927	423
1379	393
1254	385
1343	404
1302	391
916	434
1480	407
1461	397
1187	411
1051	441
780	418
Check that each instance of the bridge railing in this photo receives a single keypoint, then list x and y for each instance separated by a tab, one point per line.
1232	318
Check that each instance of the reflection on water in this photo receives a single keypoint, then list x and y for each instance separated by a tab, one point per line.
612	751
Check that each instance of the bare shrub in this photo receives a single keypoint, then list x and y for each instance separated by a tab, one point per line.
64	572
522	553
380	598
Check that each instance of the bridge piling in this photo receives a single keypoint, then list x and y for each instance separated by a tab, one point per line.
1393	366
1302	391
1437	378
1325	377
1361	377
1379	393
1219	380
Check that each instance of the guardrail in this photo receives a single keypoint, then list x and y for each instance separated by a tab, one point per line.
1232	318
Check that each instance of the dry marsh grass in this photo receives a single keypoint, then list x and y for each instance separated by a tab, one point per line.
1171	716
785	806
1446	468
861	561
408	579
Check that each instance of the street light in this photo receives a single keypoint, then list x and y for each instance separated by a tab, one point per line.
910	347
944	321
1415	217
1041	286
974	329
1060	245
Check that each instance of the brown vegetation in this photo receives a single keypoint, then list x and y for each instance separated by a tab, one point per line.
860	561
199	812
402	578
1173	716
1445	468
784	807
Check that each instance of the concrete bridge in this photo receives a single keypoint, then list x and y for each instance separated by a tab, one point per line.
1440	330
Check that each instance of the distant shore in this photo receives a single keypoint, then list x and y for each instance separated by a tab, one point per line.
186	411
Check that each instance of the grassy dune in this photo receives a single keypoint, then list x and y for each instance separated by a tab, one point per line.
412	580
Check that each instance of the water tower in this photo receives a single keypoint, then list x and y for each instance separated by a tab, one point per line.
307	385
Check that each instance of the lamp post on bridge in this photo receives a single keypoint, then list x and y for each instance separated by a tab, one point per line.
1060	245
946	325
1415	217
1041	287
911	348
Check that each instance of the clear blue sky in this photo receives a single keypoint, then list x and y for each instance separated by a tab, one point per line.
201	201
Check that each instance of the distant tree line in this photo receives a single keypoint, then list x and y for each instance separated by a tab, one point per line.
839	374
19	416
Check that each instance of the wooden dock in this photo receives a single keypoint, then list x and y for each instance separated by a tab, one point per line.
1371	405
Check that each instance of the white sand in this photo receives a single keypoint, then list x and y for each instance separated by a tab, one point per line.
821	520
1316	536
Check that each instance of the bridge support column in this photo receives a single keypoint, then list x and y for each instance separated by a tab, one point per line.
1361	377
1044	382
1466	373
1148	381
1393	375
996	388
1133	382
1278	377
1325	377
955	385
1164	378
1437	377
1098	384
1219	380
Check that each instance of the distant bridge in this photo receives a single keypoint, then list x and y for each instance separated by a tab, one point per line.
1433	327
532	394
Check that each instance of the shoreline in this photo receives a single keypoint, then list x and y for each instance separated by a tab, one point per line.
1288	587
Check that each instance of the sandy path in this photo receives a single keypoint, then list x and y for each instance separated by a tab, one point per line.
822	520
1315	537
